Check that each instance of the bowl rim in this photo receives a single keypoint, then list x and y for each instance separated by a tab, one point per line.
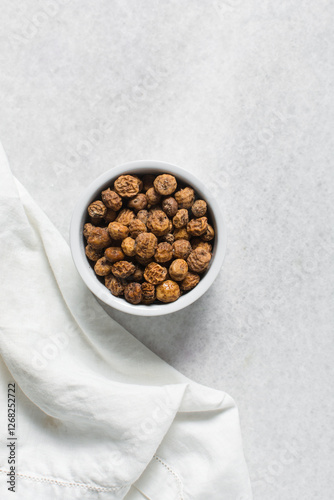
85	269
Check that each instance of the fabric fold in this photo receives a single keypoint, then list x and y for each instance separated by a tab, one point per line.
99	415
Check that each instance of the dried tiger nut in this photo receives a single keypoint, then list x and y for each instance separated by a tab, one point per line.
209	234
198	260
165	184
125	217
169	238
99	238
185	197
154	273
123	269
110	215
142	215
92	253
146	244
139	202
97	209
181	234
164	252
138	275
170	206
197	227
181	249
96	221
181	218
136	227
88	229
128	246
178	269
127	186
115	285
114	254
153	198
140	182
148	180
189	282
133	293
111	199
148	291
118	231
198	242
168	291
102	267
143	262
158	222
199	208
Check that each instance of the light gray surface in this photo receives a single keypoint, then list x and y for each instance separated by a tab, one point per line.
240	94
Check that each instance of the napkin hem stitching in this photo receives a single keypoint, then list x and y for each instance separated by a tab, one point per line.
65	483
176	476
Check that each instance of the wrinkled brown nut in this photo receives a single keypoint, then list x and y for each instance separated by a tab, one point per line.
123	269
114	254
133	293
142	261
181	218
146	244
152	196
209	234
88	229
189	282
169	238
199	208
127	186
139	202
196	227
96	221
142	215
114	285
181	234
170	206
118	231
92	253
185	197
125	217
110	216
181	249
97	209
198	260
111	199
140	182
198	242
136	227
148	180
99	238
148	291
102	267
158	222
178	269
165	184
128	246
168	291
154	273
138	275
164	252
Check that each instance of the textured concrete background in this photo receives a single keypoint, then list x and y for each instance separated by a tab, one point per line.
240	94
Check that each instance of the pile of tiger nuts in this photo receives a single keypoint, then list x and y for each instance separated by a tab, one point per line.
149	238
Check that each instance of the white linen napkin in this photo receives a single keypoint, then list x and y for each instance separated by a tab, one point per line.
98	416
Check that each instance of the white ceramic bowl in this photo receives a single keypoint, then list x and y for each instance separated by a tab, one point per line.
78	244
